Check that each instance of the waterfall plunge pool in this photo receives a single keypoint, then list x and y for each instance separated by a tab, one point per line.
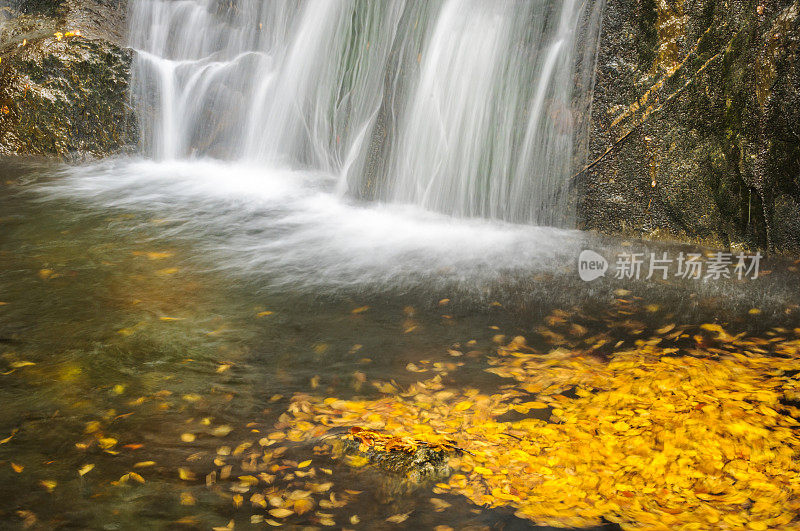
160	319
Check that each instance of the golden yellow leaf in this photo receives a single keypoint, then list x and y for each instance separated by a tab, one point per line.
398	518
85	469
106	442
462	406
281	512
221	431
303	505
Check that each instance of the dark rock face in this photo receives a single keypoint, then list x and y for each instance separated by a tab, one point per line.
696	123
63	94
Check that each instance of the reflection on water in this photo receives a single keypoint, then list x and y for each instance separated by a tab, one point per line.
151	314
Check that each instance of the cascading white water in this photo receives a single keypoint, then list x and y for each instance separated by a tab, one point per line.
467	107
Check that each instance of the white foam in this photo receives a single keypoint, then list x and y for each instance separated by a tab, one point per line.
291	225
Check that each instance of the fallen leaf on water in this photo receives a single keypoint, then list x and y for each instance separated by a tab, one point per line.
357	460
144	464
281	512
665	329
439	504
17	468
304	464
167	271
49	484
85	469
398	518
264	313
186	474
228	527
462	406
302	506
13	432
106	442
187	437
360	309
221	431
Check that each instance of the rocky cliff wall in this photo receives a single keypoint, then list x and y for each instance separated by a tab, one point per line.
696	123
64	78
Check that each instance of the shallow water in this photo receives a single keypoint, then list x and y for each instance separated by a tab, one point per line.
154	300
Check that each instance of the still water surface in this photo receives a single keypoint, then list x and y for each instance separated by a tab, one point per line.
149	301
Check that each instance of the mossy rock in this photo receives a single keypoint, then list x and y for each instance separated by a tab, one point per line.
424	464
62	95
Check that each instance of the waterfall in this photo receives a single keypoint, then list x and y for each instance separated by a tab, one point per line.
467	107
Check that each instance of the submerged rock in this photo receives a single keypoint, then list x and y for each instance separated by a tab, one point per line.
414	460
64	79
695	123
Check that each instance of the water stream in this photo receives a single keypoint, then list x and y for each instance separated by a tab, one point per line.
470	108
330	194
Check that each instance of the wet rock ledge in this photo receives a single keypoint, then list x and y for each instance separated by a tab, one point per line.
696	123
64	76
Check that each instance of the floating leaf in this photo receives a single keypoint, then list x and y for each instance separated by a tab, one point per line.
281	512
221	431
107	442
398	518
462	406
